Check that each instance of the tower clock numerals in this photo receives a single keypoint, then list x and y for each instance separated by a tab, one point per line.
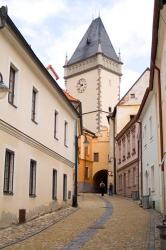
81	85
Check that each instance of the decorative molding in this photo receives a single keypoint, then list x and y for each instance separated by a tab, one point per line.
127	165
32	142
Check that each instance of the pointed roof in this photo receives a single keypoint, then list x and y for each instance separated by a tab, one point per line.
95	40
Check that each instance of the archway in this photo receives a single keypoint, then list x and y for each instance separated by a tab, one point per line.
98	177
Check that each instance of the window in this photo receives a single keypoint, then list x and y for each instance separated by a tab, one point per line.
152	179
128	145
134	176
34	103
66	134
65	187
32	179
12	78
119	149
124	149
131	117
54	184
86	173
145	136
96	157
129	178
56	124
132	96
8	172
133	141
150	127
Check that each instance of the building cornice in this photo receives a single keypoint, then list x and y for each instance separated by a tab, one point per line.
92	68
9	129
127	165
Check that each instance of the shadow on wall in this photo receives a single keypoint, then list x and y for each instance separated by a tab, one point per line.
98	177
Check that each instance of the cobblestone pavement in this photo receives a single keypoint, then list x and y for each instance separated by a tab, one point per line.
100	224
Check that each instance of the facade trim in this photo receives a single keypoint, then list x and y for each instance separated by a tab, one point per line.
92	68
127	165
32	142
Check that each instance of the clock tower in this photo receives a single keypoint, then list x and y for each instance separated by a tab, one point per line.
93	75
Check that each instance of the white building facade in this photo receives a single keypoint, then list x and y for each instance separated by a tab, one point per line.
36	119
151	173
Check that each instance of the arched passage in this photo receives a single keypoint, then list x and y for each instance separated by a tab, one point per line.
98	177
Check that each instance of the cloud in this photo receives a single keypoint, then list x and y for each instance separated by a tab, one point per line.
55	27
34	11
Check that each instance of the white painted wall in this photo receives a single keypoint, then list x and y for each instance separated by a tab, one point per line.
29	140
150	156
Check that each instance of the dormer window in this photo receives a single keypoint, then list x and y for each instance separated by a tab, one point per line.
88	41
132	96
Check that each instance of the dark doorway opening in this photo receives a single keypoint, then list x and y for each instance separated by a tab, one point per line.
98	177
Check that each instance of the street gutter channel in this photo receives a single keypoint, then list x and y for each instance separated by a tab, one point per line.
85	236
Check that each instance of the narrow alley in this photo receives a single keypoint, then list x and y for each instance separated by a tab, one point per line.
99	223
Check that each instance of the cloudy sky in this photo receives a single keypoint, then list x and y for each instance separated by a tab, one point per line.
55	27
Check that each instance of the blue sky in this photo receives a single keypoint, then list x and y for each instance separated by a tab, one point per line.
55	27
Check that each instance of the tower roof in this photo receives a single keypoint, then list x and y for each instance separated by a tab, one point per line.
95	40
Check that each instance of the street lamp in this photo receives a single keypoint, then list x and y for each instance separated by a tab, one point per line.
85	143
3	88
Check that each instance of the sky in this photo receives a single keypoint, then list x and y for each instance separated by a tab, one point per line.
54	28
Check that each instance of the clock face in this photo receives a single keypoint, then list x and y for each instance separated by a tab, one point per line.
81	85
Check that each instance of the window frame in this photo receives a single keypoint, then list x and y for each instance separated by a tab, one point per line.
32	178
34	105
10	175
96	156
56	124
54	184
12	86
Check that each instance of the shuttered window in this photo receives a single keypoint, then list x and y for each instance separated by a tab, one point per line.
11	86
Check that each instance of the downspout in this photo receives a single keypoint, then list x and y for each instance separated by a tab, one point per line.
140	157
113	140
161	143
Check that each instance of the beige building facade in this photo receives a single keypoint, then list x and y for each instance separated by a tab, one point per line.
36	118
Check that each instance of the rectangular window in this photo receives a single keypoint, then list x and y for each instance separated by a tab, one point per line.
86	173
66	134
12	78
128	145
134	176
129	178
96	157
124	148
34	102
145	136
65	187
152	179
119	151
56	124
32	179
133	141
150	127
54	185
8	172
132	96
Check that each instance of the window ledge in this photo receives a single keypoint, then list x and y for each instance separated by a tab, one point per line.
13	105
34	121
32	195
8	193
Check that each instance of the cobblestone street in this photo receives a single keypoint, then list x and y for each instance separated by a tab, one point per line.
110	223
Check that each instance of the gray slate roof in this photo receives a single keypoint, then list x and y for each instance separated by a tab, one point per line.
89	45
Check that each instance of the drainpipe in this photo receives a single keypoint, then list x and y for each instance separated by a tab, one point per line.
114	159
161	143
140	154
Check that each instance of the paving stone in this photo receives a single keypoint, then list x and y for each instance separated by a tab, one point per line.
102	224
